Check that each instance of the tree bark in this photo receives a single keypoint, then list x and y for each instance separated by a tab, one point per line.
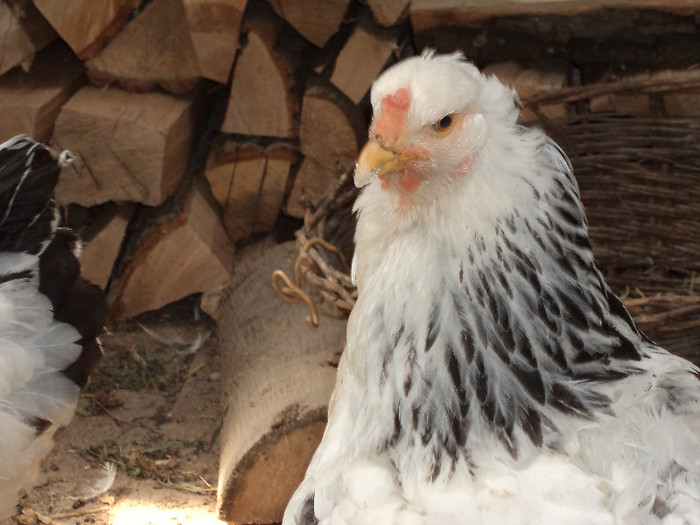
278	377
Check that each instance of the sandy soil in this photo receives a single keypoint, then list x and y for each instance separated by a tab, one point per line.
153	410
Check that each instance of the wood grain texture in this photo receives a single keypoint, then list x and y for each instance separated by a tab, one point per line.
128	146
362	58
260	102
426	14
329	142
278	375
31	100
214	27
155	49
85	24
249	183
102	243
23	32
387	12
188	252
316	20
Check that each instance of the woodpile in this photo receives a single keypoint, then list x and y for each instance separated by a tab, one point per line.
199	127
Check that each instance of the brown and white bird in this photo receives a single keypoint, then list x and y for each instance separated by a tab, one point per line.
490	376
49	316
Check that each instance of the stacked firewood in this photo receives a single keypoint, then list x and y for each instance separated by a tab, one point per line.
121	84
137	89
196	124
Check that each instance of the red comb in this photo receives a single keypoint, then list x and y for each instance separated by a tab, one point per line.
394	112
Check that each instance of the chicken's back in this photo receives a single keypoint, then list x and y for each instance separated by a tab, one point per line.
50	318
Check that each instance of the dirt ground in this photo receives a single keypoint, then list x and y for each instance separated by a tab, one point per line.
153	410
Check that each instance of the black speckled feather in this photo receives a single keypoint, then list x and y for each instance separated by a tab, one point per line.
28	175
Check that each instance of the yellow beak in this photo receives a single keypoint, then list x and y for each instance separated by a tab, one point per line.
375	160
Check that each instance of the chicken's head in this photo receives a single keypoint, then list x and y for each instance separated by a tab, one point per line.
431	117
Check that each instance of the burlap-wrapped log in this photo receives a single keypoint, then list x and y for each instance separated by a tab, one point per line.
278	374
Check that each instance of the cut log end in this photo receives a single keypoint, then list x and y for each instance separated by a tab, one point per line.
277	377
103	242
30	101
84	24
362	59
214	27
128	147
192	236
249	184
316	20
154	49
330	141
264	481
261	102
24	32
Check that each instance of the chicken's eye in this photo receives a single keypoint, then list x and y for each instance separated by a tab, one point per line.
444	123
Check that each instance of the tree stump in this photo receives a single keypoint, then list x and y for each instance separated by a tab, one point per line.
278	375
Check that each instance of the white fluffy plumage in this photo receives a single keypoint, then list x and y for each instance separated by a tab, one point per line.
33	350
490	375
49	317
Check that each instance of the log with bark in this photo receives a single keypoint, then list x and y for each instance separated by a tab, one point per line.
249	182
330	137
426	14
285	97
278	374
261	101
184	250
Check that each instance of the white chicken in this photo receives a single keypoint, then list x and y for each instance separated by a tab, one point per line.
49	317
490	376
